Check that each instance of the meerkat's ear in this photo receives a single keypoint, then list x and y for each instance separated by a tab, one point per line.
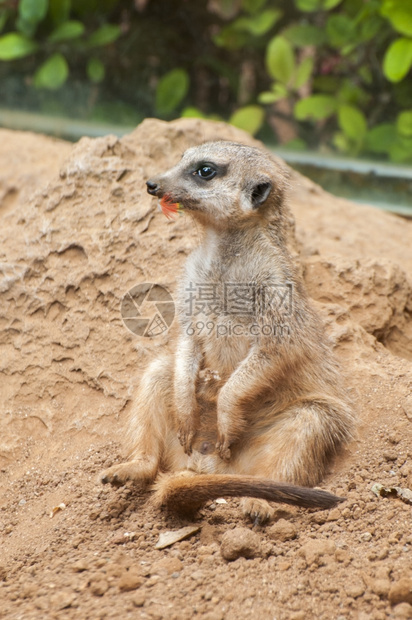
260	193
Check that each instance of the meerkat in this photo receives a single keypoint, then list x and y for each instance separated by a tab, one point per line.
251	403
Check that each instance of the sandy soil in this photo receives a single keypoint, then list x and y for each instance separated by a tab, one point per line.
77	232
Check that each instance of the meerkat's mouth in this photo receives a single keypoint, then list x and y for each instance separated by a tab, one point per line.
169	208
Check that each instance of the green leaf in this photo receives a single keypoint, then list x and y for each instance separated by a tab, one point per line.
404	123
268	97
250	118
52	74
330	4
253	6
67	30
353	123
350	93
340	30
348	49
371	27
33	10
192	112
316	5
399	14
342	142
279	89
278	92
308	6
381	138
259	24
108	33
401	150
304	71
230	38
95	70
303	35
14	45
59	10
171	89
280	60
398	60
316	107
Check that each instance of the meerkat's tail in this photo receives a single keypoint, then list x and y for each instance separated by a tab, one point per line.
185	493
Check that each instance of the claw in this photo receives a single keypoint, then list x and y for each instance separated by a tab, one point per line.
257	520
257	510
111	478
186	438
138	470
224	450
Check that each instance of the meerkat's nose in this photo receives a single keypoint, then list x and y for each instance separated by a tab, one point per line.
152	187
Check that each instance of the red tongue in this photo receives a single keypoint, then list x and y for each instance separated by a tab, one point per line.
169	207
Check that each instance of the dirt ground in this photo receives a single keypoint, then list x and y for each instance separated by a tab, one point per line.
77	231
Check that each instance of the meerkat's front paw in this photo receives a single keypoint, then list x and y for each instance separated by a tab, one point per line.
257	510
116	475
142	470
185	434
223	448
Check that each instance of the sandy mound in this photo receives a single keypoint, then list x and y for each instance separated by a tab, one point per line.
77	232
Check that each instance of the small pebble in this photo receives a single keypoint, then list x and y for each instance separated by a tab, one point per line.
130	580
401	592
62	600
282	530
402	611
240	542
314	550
138	599
355	590
98	587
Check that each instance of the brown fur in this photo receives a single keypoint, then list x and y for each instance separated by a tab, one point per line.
255	404
176	492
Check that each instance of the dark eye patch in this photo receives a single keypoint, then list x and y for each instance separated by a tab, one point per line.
206	172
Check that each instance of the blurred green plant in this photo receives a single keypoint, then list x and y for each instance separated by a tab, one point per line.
330	74
339	76
171	90
44	28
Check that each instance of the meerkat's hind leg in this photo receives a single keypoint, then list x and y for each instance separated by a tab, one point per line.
297	449
307	438
149	422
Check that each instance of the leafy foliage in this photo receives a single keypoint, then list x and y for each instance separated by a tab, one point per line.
249	118
52	74
44	27
15	45
171	89
333	74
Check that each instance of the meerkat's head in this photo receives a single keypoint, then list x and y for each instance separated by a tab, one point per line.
224	184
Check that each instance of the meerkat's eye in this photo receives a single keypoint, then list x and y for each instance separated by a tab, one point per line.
206	172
